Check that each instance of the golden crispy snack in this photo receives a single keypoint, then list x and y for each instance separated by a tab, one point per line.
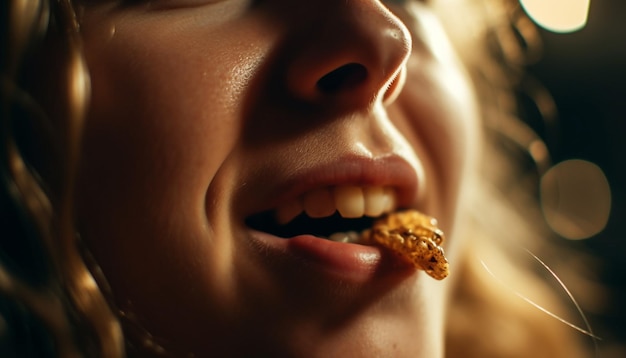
415	237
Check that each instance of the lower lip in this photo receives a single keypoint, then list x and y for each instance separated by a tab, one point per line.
344	261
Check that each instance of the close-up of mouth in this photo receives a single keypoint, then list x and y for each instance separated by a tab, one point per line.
348	230
323	228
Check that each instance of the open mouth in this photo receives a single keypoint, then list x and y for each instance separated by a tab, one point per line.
334	227
338	214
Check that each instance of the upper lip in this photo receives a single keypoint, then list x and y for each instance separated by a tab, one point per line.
390	170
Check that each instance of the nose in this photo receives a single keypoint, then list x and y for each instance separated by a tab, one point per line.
351	55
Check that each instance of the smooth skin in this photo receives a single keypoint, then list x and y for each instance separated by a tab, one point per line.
202	111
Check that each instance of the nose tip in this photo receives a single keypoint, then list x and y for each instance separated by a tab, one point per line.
356	54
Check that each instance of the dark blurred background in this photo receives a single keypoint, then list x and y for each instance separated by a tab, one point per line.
585	72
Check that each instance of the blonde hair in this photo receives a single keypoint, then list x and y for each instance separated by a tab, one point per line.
483	319
486	316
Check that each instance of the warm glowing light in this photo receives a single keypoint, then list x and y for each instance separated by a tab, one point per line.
558	15
576	199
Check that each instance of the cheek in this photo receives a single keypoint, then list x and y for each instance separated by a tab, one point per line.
441	121
149	142
163	116
160	128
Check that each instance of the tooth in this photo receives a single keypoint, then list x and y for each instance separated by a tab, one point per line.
350	236
349	201
319	203
389	200
288	211
353	236
375	200
339	237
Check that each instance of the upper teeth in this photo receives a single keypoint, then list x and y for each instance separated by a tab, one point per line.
350	201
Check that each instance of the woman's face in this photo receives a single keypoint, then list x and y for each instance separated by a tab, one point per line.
214	122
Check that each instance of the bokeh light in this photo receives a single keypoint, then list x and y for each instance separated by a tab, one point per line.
576	199
558	15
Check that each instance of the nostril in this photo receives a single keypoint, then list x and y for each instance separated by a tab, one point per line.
344	77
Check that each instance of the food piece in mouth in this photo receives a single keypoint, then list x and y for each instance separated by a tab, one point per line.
352	214
414	237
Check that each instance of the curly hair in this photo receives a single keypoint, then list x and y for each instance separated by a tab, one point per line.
50	303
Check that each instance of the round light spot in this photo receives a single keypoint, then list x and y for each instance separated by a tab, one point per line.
558	15
576	199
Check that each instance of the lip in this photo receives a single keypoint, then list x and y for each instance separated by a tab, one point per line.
343	262
390	171
346	262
